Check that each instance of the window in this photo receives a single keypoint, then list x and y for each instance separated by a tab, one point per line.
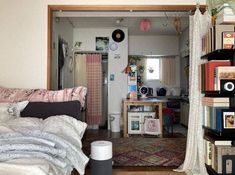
153	69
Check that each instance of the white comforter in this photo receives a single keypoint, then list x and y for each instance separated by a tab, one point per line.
42	147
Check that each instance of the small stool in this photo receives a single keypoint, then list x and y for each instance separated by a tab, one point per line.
168	119
101	158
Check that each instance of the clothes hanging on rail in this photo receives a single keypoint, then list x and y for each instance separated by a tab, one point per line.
61	57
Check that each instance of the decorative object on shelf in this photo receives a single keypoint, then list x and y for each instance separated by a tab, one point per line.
118	35
220	8
143	91
113	46
227	86
127	69
161	91
228	119
141	69
145	25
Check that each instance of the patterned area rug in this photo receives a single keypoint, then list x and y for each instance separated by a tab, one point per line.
141	151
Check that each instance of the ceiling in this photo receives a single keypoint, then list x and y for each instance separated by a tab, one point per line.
162	23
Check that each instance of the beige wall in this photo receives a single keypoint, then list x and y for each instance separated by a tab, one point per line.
23	33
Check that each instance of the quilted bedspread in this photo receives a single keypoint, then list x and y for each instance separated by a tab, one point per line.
42	147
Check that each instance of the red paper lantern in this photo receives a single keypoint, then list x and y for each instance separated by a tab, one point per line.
145	25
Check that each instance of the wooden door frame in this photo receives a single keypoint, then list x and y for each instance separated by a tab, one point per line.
142	8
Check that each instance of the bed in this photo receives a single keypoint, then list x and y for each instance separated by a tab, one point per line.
41	135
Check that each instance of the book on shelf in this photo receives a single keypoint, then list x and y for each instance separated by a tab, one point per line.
208	151
213	38
202	82
223	72
217	34
215	101
228	40
212	118
210	72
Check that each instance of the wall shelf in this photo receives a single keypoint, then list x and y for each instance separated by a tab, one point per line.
225	134
220	54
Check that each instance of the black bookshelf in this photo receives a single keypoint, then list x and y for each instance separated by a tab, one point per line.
225	134
210	170
221	54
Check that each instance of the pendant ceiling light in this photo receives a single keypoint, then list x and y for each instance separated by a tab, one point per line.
145	25
177	24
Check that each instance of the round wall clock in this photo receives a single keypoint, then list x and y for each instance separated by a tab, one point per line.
113	46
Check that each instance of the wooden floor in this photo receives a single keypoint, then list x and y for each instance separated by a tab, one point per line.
104	134
142	172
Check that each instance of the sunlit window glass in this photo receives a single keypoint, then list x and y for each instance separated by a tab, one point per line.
152	71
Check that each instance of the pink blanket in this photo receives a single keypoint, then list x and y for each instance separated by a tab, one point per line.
11	95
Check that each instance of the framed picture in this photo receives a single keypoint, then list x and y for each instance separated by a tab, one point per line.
134	123
102	44
152	126
228	119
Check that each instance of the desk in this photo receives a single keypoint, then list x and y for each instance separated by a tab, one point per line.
144	102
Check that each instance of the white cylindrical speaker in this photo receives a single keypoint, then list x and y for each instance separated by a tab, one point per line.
101	158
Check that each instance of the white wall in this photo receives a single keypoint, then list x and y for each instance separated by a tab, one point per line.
23	33
156	45
117	89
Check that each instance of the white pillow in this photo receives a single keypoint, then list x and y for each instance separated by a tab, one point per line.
11	110
15	108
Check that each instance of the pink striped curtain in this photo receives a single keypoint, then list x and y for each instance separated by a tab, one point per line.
94	86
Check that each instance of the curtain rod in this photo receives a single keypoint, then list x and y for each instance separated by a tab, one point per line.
87	52
153	56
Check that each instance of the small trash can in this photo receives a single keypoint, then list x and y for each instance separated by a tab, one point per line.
101	158
114	122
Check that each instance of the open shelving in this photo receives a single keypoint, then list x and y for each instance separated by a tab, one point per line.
224	133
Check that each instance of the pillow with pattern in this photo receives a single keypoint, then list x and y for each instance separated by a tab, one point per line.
10	111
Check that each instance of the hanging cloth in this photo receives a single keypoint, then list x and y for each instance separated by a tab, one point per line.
194	162
168	71
80	74
94	86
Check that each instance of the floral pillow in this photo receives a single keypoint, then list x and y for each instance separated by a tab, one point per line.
11	95
10	111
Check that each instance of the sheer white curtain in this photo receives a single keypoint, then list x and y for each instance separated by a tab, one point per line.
167	76
194	159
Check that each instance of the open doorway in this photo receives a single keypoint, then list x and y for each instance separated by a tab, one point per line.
120	62
164	39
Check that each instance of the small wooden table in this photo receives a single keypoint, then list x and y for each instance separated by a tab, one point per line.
144	102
